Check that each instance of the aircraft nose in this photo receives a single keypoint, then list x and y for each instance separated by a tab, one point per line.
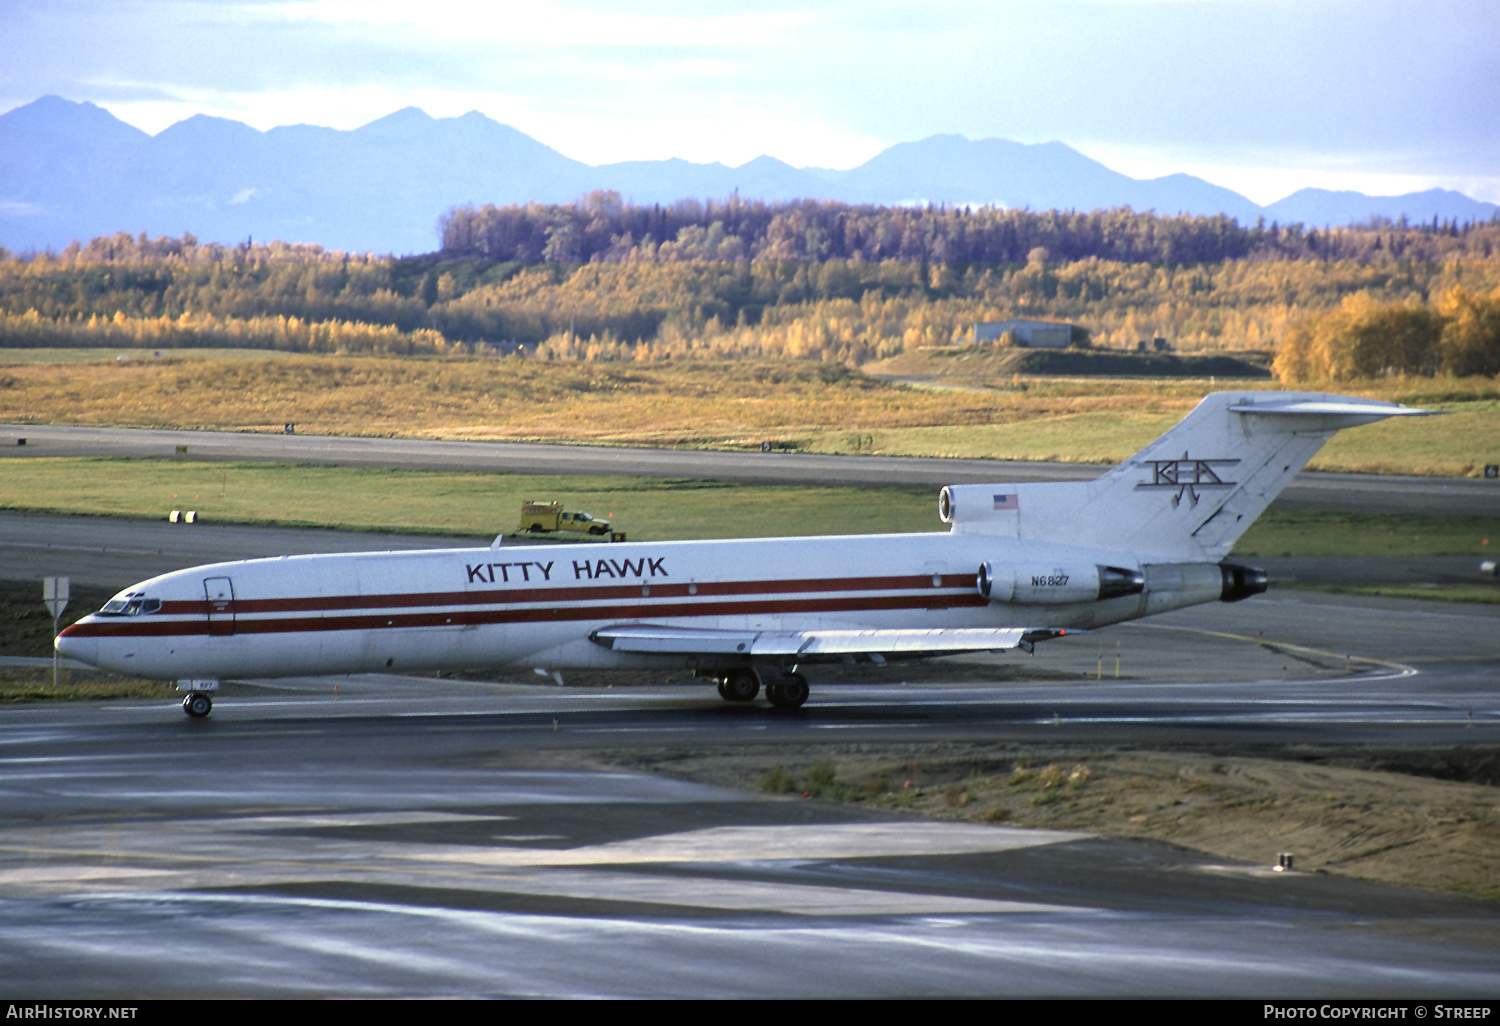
70	646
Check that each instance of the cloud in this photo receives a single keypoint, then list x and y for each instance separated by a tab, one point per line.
549	26
1374	85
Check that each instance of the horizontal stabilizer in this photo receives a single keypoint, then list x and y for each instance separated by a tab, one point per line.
1333	412
1189	495
815	645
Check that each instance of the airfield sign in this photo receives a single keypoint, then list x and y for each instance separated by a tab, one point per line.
55	597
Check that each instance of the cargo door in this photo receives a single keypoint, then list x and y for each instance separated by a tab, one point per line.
220	594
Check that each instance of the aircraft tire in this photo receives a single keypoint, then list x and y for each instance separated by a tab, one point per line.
740	686
197	705
789	693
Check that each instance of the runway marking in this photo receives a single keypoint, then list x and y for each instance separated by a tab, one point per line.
1048	721
74	874
495	869
21	760
349	819
773	843
839	903
759	896
1402	670
867	726
691	729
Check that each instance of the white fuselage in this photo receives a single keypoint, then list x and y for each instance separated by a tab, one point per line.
536	605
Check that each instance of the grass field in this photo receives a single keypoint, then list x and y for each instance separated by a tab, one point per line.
1305	533
1457	444
419	501
647	509
714	404
34	684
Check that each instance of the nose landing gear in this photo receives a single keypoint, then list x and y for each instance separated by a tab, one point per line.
197	705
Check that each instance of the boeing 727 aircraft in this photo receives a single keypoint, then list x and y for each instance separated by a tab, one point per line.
1021	563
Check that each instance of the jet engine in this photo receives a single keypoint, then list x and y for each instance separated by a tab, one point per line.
1056	583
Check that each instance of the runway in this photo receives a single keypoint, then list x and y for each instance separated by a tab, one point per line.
1357	493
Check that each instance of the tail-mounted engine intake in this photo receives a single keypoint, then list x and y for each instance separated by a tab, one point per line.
1240	582
1052	584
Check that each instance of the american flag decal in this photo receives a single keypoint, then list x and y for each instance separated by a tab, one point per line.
1007	501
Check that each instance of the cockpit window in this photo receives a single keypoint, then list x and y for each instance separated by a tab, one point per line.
130	603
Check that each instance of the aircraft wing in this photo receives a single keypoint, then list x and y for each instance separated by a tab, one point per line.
818	645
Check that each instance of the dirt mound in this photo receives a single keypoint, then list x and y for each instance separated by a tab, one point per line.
972	362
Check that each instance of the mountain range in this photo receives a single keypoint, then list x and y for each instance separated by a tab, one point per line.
74	171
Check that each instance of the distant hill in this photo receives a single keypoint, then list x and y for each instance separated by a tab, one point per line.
74	171
1321	207
951	169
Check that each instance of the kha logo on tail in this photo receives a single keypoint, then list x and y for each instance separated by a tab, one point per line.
1186	476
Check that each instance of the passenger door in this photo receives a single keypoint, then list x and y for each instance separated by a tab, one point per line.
220	594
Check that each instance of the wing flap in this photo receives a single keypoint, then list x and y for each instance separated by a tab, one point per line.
813	645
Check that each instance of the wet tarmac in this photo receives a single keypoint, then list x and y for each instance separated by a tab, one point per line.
383	852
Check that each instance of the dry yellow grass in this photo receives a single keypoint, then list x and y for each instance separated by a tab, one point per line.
720	404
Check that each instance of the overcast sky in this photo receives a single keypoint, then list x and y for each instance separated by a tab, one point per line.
1262	96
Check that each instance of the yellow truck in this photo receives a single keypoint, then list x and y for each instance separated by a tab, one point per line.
544	517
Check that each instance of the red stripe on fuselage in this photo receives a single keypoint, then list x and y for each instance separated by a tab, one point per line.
654	607
596	592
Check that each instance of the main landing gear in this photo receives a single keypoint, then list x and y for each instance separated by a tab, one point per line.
197	705
739	686
787	692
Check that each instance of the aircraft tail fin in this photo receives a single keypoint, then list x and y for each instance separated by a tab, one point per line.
1190	494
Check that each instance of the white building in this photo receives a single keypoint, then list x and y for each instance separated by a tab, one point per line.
1035	334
